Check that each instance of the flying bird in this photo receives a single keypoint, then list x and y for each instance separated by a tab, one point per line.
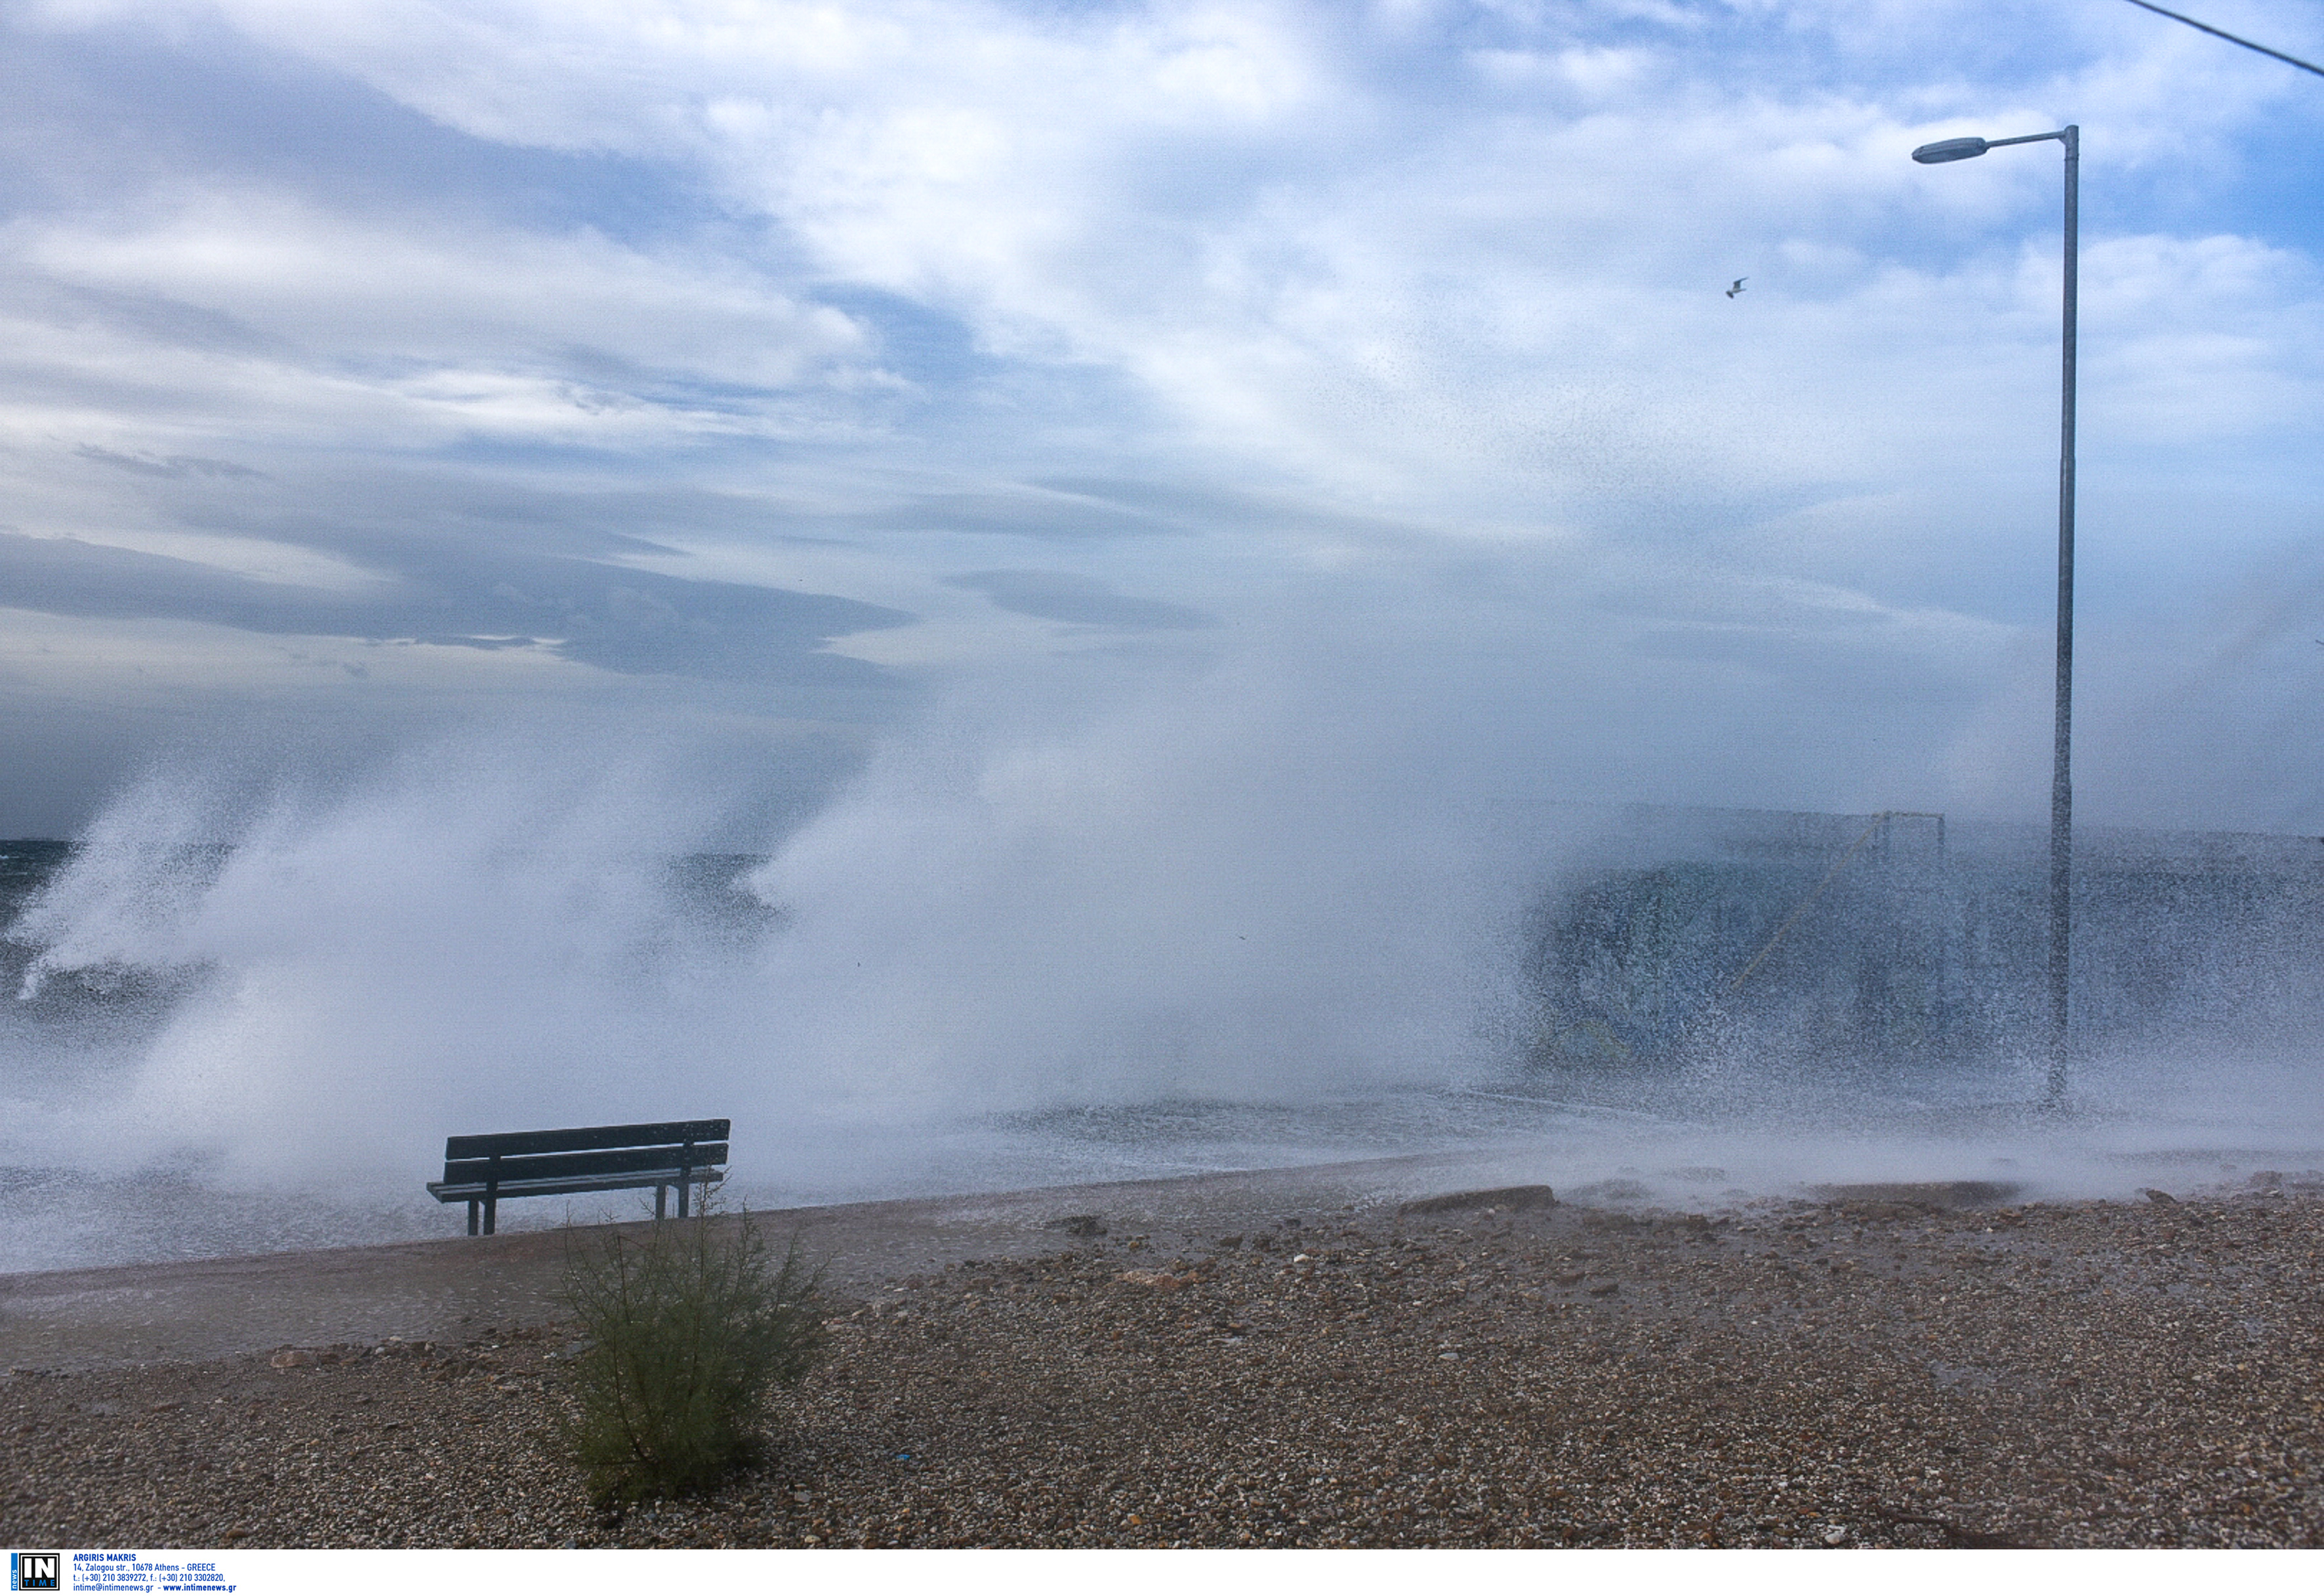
1737	289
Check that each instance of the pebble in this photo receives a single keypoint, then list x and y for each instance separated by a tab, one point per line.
1841	1374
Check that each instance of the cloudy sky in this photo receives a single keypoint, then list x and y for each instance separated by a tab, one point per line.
781	373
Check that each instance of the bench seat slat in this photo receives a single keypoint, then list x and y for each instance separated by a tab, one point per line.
585	1139
445	1191
565	1166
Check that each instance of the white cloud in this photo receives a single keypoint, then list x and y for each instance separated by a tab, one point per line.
1455	267
2209	342
1460	247
408	331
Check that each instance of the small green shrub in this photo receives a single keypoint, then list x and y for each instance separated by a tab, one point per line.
688	1327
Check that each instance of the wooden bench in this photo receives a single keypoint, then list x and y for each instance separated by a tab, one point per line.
480	1170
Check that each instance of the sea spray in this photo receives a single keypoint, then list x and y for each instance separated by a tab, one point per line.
1276	907
1216	892
482	932
1206	890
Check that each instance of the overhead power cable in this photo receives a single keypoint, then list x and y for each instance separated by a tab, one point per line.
2230	38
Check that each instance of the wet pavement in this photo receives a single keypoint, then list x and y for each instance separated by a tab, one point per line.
206	1308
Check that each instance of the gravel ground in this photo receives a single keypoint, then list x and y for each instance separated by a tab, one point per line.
1853	1373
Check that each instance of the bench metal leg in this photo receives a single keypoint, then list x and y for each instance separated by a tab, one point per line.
472	1207
661	1201
491	1207
682	1188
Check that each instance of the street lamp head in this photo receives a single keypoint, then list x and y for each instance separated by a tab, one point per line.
1945	150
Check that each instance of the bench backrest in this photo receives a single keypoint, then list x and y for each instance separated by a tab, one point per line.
596	1149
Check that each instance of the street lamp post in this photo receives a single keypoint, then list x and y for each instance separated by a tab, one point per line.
2061	778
